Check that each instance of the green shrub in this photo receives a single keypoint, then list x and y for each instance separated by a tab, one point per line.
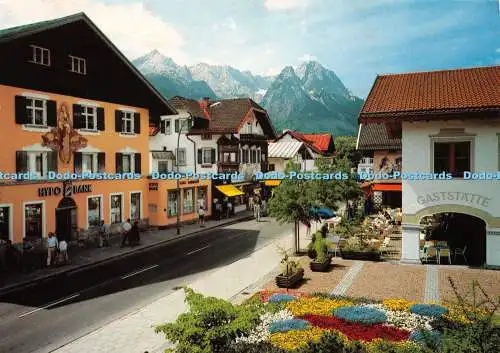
332	342
262	347
381	346
210	325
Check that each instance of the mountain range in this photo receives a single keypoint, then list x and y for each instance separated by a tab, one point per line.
308	98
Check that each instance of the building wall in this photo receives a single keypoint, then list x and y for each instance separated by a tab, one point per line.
16	138
202	143
480	198
392	161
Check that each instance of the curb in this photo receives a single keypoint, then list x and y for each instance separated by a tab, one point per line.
26	284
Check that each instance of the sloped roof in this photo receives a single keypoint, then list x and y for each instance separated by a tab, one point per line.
12	33
190	105
375	137
319	141
446	91
283	149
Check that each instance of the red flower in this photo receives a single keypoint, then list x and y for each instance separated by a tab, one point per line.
355	331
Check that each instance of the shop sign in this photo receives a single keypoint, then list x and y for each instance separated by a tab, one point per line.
153	186
188	182
457	196
66	191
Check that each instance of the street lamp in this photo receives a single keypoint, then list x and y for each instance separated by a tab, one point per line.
177	179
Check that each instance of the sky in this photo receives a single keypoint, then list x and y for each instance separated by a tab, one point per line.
358	39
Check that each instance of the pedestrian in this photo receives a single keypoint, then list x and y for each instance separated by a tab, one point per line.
63	250
308	227
257	205
104	233
201	216
218	210
126	227
52	245
224	207
134	236
229	208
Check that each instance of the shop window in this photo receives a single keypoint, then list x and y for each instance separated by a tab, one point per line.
188	201
5	223
135	206
94	211
33	218
172	203
452	157
116	209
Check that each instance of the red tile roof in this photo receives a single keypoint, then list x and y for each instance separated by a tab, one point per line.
320	141
461	90
190	105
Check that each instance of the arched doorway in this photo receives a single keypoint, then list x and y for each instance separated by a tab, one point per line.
459	231
66	221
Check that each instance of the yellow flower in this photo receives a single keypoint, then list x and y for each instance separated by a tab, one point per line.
456	313
379	346
316	306
296	338
397	304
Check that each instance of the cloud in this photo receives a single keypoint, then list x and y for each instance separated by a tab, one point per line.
272	71
229	25
130	26
308	57
280	5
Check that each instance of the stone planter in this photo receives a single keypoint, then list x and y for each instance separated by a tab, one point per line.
360	255
321	266
289	281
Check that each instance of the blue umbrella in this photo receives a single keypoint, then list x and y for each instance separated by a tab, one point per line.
325	213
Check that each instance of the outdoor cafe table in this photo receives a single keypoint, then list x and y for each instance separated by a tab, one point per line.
438	251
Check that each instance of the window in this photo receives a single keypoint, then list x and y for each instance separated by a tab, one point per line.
165	127
128	122
5	222
78	65
163	166
40	55
226	157
207	156
258	156
181	156
37	111
89	118
115	211
126	163
244	155
135	206
249	127
33	220
271	168
253	156
452	157
182	125
188	201
94	211
172	203
36	162
89	162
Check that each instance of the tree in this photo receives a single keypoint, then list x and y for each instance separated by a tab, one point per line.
345	146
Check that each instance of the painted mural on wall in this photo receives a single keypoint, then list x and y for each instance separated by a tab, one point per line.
387	162
63	138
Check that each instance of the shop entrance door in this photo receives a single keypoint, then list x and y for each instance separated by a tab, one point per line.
66	222
5	223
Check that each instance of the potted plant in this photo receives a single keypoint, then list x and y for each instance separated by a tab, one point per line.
322	259
291	271
355	249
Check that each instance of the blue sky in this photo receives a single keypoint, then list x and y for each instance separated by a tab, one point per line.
358	39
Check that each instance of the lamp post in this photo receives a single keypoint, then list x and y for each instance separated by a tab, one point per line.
177	179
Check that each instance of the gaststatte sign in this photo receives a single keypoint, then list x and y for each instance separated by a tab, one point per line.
457	196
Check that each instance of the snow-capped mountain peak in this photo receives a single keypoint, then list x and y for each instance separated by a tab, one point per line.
156	63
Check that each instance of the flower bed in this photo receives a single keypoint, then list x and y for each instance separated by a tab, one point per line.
301	319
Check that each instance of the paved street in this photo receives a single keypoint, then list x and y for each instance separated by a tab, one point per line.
62	309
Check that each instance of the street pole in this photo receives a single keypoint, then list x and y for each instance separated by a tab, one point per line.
178	188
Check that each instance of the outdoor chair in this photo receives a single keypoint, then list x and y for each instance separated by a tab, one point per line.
445	253
460	252
334	245
430	252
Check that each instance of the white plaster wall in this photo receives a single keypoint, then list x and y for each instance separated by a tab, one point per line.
417	158
279	164
255	129
200	143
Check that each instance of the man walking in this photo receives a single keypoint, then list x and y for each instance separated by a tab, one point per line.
52	245
104	234
126	227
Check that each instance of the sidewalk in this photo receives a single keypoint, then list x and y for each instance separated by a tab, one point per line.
134	333
87	257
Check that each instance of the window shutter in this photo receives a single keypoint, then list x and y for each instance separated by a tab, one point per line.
118	162
21	112
213	156
51	113
176	125
137	123
21	161
77	116
100	119
52	161
118	120
200	156
101	162
78	162
137	162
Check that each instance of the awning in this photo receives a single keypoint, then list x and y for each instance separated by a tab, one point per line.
229	190
163	155
386	187
272	182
